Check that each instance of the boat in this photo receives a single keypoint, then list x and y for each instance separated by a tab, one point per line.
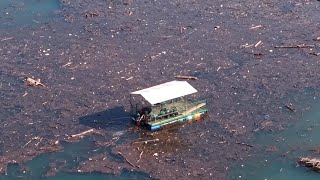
160	106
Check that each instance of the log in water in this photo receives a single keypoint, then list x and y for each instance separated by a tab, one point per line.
313	163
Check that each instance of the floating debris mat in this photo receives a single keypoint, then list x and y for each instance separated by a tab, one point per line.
313	163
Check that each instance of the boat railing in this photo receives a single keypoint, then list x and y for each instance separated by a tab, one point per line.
164	113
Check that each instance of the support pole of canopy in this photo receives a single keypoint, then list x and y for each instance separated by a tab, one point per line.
185	100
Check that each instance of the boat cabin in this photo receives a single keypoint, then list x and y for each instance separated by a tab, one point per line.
165	104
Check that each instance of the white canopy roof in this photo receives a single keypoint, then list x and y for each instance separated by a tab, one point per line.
166	91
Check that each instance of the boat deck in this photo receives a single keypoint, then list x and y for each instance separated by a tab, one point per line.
182	108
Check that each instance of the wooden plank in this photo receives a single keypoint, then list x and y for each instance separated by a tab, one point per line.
186	77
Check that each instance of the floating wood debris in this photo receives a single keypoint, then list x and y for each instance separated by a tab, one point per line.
140	155
5	39
317	39
289	106
35	21
313	163
258	43
315	53
126	159
246	45
91	14
186	77
108	143
33	82
147	141
245	144
255	27
83	133
296	46
67	64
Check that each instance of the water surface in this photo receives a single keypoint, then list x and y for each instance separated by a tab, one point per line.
281	150
17	13
72	155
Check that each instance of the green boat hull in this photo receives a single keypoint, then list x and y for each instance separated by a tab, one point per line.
159	124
